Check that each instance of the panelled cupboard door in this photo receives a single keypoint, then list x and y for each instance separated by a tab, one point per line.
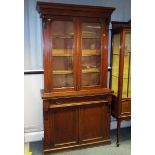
94	123
64	126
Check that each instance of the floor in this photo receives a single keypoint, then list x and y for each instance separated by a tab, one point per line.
123	149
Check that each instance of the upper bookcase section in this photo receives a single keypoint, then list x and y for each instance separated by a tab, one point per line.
57	9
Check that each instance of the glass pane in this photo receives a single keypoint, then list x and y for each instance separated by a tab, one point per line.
115	62
127	42
115	84
126	72
129	90
62	52
91	54
125	87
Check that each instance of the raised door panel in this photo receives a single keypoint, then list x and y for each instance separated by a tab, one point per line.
64	124
94	123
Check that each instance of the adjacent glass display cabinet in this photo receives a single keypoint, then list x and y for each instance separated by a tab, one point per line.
76	100
121	72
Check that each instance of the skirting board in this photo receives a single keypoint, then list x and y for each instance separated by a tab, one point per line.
38	136
124	124
33	136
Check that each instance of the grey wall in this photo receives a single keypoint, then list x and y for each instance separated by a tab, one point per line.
33	55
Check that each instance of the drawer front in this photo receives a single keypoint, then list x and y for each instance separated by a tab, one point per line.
60	101
126	106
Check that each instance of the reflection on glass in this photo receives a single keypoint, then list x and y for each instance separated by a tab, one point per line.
127	68
62	80
90	78
91	54
125	87
62	52
115	62
115	84
129	90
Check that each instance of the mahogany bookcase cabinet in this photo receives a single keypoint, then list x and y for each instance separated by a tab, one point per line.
76	100
121	72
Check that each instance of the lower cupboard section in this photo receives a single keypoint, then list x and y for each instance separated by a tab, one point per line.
77	126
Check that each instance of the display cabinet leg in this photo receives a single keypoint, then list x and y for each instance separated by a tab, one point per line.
118	132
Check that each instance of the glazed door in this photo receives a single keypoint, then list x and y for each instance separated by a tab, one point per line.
120	76
62	49
64	126
126	92
115	62
92	54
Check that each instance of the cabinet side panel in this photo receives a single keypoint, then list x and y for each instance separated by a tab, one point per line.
47	133
47	57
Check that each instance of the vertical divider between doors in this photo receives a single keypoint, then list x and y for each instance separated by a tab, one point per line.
77	55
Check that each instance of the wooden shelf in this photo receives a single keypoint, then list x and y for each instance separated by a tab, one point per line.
62	55
72	37
91	52
117	54
68	52
90	37
124	76
91	70
63	37
62	72
62	52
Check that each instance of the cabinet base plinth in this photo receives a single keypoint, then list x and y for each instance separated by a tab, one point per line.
78	146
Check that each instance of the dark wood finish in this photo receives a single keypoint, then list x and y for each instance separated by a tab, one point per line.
73	10
76	122
47	57
92	128
121	107
64	133
78	116
119	25
42	72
